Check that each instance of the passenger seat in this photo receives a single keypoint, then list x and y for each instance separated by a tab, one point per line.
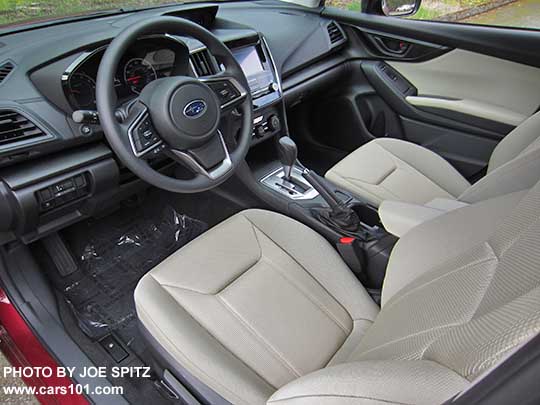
393	169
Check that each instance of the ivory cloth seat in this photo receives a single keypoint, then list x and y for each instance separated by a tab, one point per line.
394	169
261	309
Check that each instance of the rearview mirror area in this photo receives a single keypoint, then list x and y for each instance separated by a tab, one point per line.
400	8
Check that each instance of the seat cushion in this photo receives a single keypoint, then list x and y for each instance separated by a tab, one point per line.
392	169
253	304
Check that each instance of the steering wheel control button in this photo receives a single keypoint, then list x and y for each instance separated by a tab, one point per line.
225	91
143	136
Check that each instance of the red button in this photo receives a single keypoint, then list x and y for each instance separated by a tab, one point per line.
346	240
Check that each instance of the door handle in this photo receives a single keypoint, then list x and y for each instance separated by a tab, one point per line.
391	46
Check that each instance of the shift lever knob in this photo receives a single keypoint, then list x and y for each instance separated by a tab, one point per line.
288	152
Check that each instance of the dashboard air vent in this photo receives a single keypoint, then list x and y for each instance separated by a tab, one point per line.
335	33
15	127
203	63
5	70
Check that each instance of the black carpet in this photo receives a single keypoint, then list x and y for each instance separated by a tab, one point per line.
112	255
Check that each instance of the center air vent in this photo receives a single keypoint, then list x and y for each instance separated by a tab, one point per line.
334	33
5	70
203	63
15	127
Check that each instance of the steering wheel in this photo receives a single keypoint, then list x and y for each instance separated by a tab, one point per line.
178	115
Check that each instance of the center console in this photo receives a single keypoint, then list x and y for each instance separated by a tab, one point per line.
286	185
351	224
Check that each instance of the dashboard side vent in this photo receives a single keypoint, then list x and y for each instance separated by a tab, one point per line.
335	33
5	70
203	63
15	127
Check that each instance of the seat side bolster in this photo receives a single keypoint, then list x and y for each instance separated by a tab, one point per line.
518	174
515	142
388	381
197	350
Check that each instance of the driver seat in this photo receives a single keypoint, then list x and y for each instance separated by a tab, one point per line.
261	309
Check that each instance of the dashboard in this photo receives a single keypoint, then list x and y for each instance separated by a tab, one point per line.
47	74
160	56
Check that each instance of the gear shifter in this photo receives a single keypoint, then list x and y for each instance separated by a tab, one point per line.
338	215
288	152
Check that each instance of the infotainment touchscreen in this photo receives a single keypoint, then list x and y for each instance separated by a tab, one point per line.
258	74
249	60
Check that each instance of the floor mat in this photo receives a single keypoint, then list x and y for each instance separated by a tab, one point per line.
113	254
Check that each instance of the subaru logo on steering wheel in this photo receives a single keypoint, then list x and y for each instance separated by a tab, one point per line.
195	108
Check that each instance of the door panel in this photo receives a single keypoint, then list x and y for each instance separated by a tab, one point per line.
466	75
464	90
467	144
451	107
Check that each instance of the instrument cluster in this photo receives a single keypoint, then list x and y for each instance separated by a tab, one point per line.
147	60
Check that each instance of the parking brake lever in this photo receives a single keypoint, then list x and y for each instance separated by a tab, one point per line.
340	216
326	194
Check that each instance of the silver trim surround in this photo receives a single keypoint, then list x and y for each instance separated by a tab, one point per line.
223	168
142	115
273	64
287	191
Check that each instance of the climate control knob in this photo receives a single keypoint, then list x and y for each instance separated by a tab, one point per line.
274	124
259	131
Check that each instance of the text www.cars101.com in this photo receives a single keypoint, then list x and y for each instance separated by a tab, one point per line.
80	389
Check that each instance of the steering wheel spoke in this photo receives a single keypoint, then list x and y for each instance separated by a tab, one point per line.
228	90
143	138
211	160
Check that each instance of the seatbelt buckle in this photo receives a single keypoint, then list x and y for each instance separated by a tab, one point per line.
352	253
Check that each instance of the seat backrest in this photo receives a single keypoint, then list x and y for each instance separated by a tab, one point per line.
514	164
521	140
463	289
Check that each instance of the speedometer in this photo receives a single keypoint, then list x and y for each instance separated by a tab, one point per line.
83	90
138	73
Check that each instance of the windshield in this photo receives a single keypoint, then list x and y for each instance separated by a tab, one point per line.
16	12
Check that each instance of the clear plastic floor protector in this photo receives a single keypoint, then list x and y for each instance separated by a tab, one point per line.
113	254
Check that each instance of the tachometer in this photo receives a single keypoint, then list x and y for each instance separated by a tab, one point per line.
83	90
138	73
